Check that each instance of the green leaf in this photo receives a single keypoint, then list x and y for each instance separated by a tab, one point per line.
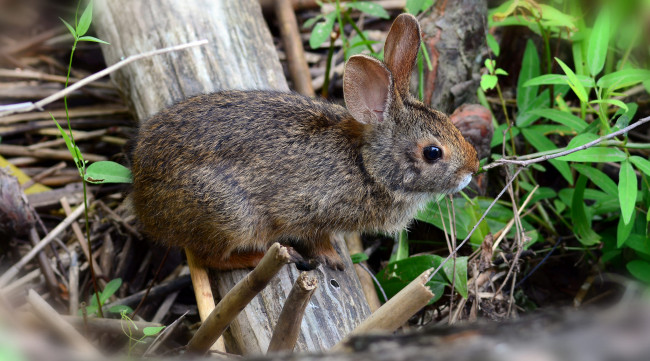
542	144
623	78
582	224
641	164
561	117
111	287
639	243
369	8
493	44
529	70
322	31
120	309
460	280
415	7
598	42
627	190
554	17
557	79
524	118
623	230
85	20
574	82
402	250
616	102
488	81
500	71
639	269
581	139
93	39
489	65
108	172
311	21
152	330
600	179
595	154
72	148
397	275
72	31
359	257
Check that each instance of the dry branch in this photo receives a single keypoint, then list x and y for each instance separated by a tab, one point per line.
203	294
81	238
238	297
461	244
293	47
287	329
525	163
19	151
29	106
13	270
49	315
397	310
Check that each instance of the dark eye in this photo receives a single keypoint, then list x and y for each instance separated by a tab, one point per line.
432	153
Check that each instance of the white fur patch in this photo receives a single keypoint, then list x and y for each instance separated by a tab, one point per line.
463	183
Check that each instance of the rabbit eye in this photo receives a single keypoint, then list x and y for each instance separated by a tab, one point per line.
432	153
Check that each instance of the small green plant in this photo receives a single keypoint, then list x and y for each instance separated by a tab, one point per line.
544	117
128	327
97	300
323	27
99	172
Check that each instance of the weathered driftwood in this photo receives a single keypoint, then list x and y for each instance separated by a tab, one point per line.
240	55
454	34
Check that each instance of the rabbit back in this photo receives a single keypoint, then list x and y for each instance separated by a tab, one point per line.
237	170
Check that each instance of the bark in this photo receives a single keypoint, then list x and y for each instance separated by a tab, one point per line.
454	34
240	55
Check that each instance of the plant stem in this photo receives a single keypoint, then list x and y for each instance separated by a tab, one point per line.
505	113
328	67
82	171
358	30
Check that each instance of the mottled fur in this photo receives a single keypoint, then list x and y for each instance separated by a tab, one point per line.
227	174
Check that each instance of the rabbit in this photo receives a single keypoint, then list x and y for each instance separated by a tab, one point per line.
227	174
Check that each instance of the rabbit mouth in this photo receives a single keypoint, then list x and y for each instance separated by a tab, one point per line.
463	183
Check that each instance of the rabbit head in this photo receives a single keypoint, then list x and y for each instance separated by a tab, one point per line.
407	146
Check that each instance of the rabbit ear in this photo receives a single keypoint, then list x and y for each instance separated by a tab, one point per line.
401	50
367	88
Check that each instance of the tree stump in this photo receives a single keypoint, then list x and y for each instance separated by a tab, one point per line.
454	33
240	55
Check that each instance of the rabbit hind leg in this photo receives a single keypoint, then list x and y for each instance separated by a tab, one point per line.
315	251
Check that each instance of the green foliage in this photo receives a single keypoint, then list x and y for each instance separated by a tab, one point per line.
603	66
359	257
128	326
107	172
97	301
323	30
396	275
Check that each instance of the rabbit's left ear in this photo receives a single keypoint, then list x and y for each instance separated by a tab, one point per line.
367	88
401	50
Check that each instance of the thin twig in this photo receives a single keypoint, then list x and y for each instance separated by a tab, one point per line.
238	297
26	107
287	329
477	224
13	271
525	163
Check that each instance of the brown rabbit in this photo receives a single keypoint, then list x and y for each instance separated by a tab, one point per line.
227	174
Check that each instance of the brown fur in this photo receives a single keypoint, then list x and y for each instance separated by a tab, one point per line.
229	173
